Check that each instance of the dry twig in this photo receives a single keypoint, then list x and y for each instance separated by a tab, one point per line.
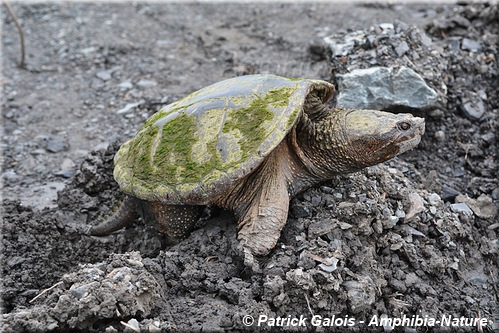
21	64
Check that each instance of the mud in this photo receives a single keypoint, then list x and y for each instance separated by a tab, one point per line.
414	237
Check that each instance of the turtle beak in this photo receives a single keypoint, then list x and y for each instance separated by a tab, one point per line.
412	137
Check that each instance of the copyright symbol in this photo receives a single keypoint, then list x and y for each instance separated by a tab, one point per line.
248	320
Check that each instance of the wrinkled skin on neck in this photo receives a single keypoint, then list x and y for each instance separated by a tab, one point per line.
345	141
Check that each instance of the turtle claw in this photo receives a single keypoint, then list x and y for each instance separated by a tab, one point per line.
249	259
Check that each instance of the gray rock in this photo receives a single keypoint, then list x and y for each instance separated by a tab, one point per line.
129	107
448	193
402	48
384	88
434	199
57	144
461	208
455	44
470	45
416	206
361	293
473	110
104	75
300	211
147	83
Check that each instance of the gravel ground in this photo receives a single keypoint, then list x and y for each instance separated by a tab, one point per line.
415	237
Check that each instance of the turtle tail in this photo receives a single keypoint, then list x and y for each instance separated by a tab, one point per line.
125	216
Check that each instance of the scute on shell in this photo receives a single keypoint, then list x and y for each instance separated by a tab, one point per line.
197	147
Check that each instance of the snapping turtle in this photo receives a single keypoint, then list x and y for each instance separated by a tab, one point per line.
248	144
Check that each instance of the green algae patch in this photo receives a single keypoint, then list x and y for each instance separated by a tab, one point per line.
251	121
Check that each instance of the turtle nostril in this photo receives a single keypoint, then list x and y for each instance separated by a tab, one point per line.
404	125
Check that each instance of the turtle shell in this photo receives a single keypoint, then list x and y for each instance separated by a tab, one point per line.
198	147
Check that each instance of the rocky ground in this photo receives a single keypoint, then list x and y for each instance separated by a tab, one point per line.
414	237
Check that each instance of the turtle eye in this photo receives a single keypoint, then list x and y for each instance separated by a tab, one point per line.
404	125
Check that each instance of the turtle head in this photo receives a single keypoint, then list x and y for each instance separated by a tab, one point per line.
348	140
373	137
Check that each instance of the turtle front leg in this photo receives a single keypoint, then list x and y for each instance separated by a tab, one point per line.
261	223
175	222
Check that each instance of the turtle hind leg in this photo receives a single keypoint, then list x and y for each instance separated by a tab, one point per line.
173	221
125	216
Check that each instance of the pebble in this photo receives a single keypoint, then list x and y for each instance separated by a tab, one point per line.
416	206
461	207
154	327
455	44
300	211
129	107
470	45
326	189
473	110
11	176
104	75
330	266
386	26
489	137
126	85
448	193
147	83
361	294
439	135
402	48
132	326
57	144
433	199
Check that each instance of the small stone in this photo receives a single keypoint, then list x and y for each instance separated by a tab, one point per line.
461	207
402	48
57	144
147	83
416	206
361	294
326	189
104	75
434	199
390	222
300	211
398	285
489	137
321	227
344	225
414	232
11	176
470	45
152	328
330	266
132	326
473	110
316	200
126	85
448	193
425	39
495	193
439	135
386	26
129	107
455	44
